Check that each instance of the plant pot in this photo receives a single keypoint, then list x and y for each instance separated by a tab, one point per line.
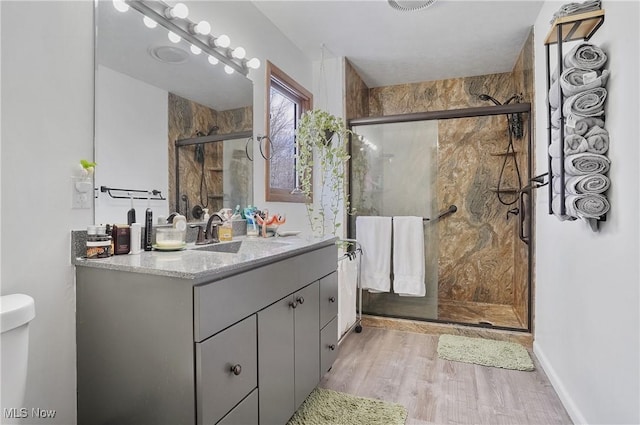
328	135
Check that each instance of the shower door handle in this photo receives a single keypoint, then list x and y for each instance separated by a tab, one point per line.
523	215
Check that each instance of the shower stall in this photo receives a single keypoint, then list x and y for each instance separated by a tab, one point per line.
467	172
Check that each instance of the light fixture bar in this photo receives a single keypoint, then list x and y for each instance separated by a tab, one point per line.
155	10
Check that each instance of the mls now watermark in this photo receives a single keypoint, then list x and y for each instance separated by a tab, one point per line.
23	412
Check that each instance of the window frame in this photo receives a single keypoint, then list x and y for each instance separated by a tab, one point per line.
290	88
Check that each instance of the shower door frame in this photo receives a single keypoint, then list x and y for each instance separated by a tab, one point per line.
473	112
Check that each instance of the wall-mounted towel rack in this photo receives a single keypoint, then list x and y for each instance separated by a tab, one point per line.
353	254
576	27
153	194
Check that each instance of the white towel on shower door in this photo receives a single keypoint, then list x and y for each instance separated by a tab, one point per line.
408	256
347	294
374	235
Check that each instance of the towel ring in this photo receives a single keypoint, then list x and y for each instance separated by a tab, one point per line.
260	139
246	148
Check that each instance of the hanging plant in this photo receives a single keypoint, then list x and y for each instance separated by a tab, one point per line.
324	135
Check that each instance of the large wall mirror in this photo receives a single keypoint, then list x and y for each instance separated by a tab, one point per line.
150	94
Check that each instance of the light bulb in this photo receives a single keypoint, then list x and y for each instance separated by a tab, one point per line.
120	5
149	23
173	37
195	50
213	60
202	27
239	53
228	69
253	63
223	41
180	10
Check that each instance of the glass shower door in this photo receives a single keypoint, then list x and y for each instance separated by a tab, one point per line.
476	267
394	174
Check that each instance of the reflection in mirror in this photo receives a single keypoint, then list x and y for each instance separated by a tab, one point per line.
151	93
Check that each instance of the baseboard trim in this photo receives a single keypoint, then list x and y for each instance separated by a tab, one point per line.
566	399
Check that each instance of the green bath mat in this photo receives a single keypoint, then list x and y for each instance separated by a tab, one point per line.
485	352
327	407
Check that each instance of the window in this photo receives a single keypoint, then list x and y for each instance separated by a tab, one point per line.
286	102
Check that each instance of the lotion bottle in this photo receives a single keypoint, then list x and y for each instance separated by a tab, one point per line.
136	238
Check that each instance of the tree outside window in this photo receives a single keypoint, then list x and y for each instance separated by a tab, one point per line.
287	101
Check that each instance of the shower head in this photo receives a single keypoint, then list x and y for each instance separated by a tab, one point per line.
485	97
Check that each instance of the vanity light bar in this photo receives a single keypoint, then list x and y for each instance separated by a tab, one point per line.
155	10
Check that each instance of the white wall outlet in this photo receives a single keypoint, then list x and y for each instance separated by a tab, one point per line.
81	193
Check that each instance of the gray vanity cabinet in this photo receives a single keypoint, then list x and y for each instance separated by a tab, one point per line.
226	370
239	348
288	359
328	321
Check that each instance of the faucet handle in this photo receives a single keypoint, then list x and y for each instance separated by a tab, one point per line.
200	239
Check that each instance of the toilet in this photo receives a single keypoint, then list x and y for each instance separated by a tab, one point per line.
16	311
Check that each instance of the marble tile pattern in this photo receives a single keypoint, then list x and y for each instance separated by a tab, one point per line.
356	93
186	118
523	76
481	259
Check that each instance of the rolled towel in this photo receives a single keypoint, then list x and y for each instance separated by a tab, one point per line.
555	207
576	80
589	103
554	94
573	8
577	185
572	144
585	56
583	125
581	206
581	164
588	206
555	118
597	139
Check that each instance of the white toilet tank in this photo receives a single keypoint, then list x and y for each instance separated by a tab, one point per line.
16	311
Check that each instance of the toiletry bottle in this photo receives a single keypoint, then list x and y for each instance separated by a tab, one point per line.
136	238
148	229
225	233
206	215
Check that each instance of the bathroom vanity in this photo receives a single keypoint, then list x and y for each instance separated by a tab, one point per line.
200	337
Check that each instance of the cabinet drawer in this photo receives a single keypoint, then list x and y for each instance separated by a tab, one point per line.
328	298
245	413
256	289
218	386
328	346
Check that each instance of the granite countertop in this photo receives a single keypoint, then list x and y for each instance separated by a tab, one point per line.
191	263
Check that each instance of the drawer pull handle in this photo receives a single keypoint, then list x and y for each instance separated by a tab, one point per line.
293	304
236	369
300	300
332	347
332	299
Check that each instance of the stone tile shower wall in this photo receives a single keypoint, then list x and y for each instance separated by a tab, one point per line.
481	259
186	118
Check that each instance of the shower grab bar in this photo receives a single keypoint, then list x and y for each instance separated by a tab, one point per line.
452	209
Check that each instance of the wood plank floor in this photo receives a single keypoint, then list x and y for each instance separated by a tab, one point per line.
404	367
